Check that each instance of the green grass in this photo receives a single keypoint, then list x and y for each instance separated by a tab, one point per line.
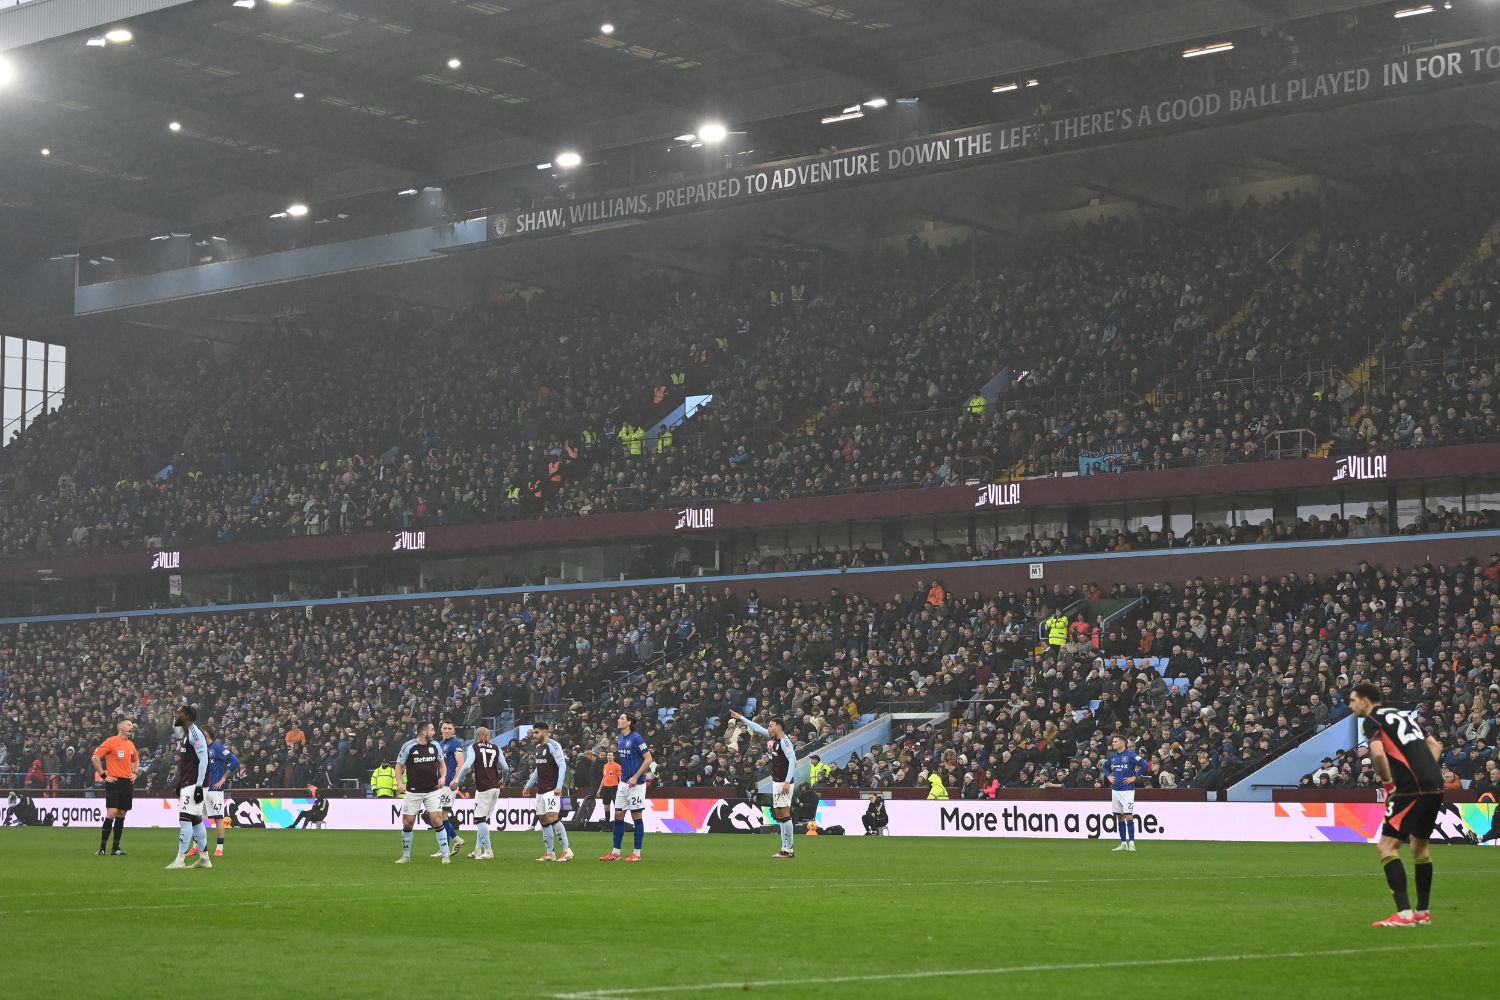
325	914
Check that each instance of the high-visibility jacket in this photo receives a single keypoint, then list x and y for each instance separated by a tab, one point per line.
513	494
636	441
936	789
663	441
383	782
977	405
1057	630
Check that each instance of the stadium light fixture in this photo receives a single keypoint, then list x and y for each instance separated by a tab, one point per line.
1207	50
7	72
1033	82
107	260
606	28
119	36
455	63
278	215
876	102
907	101
712	133
97	42
686	137
174	126
46	151
296	210
544	166
1004	88
156	239
246	4
567	160
406	192
848	115
278	3
297	95
218	239
1426	8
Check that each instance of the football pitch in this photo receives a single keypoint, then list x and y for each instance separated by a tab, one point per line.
327	914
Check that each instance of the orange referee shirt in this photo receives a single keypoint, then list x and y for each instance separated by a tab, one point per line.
120	758
611	774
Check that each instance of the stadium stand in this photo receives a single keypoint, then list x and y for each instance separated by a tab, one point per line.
1121	338
1215	675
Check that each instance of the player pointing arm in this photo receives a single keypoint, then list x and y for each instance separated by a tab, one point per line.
783	773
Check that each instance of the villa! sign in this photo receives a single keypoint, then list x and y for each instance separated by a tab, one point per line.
695	518
1362	467
999	495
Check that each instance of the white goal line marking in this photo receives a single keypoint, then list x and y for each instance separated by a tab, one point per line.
669	884
1003	970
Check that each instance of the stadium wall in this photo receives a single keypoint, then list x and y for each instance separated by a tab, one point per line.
1273	559
1252	478
1074	819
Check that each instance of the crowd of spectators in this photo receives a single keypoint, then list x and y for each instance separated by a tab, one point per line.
1247	666
1154	341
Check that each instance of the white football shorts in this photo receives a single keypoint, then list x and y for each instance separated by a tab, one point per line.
781	799
418	802
631	798
185	803
1122	802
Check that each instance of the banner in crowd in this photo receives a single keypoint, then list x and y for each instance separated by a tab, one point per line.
1475	62
1266	822
1101	460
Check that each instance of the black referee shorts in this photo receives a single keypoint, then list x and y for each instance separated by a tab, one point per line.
119	793
1412	814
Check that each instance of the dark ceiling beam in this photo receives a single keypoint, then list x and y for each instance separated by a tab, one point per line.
737	24
563	61
420	100
1015	24
79	194
1272	10
287	128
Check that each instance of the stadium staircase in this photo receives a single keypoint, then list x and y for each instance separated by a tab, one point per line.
1360	377
876	730
1286	769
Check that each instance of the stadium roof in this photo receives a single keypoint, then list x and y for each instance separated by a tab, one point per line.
383	108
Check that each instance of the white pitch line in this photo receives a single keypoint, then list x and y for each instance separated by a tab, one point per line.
666	885
131	907
1004	970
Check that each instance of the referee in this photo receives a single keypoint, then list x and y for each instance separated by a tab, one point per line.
116	764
